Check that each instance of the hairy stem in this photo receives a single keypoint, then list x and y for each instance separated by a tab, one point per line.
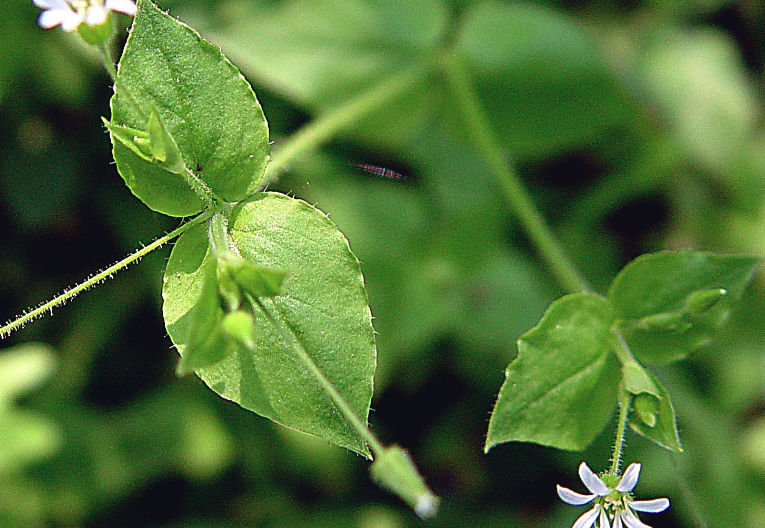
345	409
621	428
477	126
325	127
98	277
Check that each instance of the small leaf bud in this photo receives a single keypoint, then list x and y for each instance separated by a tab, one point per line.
701	301
647	408
240	326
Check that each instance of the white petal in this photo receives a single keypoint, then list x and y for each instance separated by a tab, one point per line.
650	506
603	520
96	15
53	17
71	21
572	497
592	481
587	519
51	4
631	520
629	479
123	6
618	521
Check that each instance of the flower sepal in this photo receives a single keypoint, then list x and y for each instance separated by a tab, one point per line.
98	35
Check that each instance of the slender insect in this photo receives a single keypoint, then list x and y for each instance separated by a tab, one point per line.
380	171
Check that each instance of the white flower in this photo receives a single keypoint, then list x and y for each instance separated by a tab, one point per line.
69	14
613	501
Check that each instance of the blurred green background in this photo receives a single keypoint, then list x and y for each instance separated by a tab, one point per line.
636	125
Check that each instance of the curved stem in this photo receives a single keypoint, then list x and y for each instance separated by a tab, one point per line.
98	277
345	409
533	222
328	125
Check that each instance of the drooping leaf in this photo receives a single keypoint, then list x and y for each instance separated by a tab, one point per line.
562	387
664	430
203	103
662	300
322	303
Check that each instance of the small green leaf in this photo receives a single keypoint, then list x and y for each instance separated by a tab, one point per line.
323	304
202	104
206	343
562	387
638	381
664	429
394	470
155	145
671	303
258	281
240	327
162	146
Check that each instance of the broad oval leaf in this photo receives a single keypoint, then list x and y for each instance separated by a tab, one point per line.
323	302
661	288
562	387
205	104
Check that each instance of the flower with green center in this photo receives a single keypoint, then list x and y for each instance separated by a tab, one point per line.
612	497
69	14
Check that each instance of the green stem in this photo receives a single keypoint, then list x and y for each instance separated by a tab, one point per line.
477	126
345	409
217	232
625	356
99	277
621	428
203	191
325	127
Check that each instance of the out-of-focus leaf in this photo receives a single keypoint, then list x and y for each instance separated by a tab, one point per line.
699	80
543	83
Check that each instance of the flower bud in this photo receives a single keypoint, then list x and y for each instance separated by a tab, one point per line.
394	470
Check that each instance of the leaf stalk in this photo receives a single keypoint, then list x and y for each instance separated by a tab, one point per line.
99	277
479	130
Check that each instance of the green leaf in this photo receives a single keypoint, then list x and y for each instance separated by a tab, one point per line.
202	102
323	303
663	300
562	387
664	431
206	341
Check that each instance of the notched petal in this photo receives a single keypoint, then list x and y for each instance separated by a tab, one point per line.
587	519
631	520
650	506
571	497
629	479
592	481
